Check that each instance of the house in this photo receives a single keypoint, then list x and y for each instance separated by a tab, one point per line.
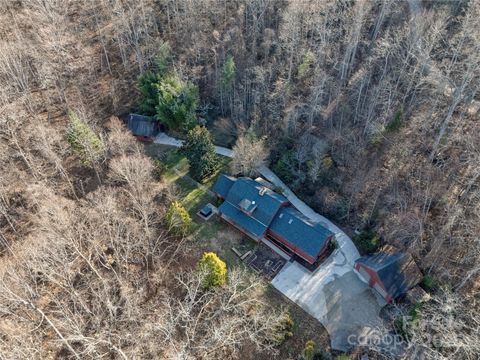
144	128
391	272
267	216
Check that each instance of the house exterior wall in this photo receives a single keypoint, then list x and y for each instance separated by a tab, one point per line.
374	281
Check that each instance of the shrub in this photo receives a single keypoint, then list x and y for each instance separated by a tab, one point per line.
284	330
376	137
405	325
284	167
83	140
158	169
214	270
307	62
368	241
322	354
309	350
396	123
200	152
178	219
343	357
428	283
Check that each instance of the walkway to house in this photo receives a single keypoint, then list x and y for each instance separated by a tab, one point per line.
333	293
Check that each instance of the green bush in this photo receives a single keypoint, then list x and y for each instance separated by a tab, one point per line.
377	137
284	330
200	153
309	350
284	167
406	325
322	354
428	283
158	169
396	122
83	140
213	269
343	357
307	62
178	219
368	241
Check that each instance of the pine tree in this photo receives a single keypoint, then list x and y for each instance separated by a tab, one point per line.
228	73
178	219
148	82
148	86
177	102
200	152
83	141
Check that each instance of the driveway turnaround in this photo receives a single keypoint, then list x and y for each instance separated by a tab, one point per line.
333	293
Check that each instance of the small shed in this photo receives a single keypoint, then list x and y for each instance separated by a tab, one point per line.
144	128
390	272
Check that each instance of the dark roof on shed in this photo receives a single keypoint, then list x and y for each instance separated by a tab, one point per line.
141	125
300	231
223	184
397	270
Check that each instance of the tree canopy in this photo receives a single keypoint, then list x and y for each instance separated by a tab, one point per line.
200	152
83	140
177	102
214	270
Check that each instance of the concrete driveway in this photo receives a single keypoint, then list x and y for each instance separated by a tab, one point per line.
335	296
333	293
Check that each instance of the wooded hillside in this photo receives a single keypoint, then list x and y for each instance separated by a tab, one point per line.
369	110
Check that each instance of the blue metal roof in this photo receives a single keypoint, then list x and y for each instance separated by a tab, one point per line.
300	231
242	220
141	125
223	184
397	271
267	202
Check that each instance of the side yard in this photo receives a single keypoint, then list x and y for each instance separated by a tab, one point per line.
219	237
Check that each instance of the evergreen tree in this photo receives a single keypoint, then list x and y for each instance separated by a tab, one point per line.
83	141
148	86
177	102
200	152
148	82
213	269
178	219
228	72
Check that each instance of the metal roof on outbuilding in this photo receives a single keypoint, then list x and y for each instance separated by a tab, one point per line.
141	125
397	270
300	231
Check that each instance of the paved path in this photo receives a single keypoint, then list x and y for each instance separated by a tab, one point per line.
348	251
333	293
